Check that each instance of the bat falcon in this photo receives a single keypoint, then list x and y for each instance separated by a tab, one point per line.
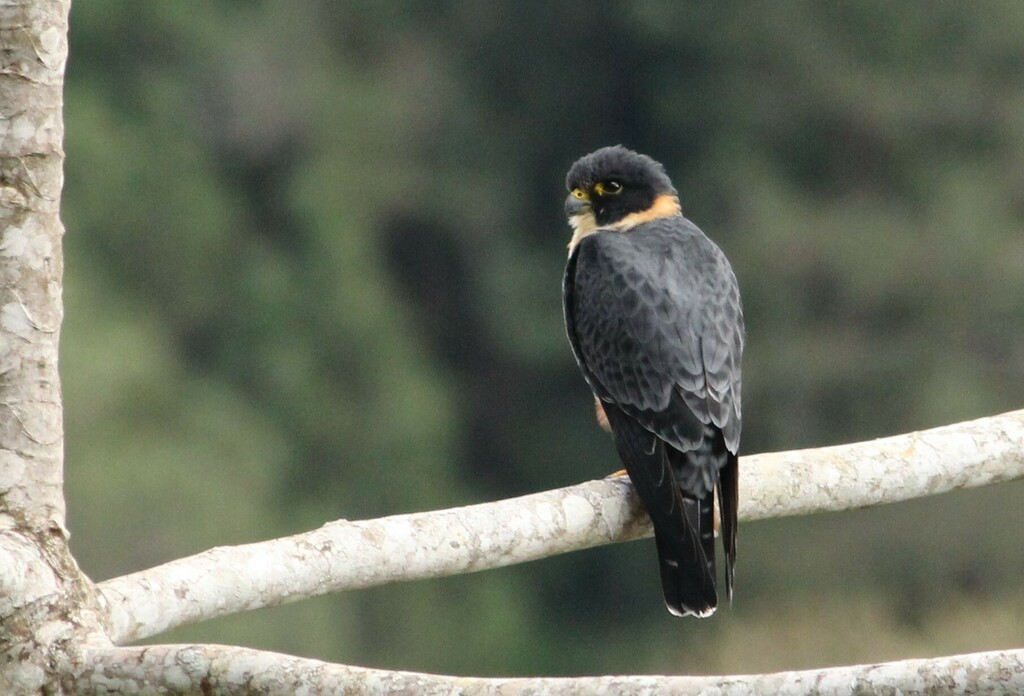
652	311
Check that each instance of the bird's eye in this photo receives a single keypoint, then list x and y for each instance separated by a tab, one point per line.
608	188
580	193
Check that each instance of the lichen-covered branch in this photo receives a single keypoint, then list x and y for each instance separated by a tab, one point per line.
347	555
219	670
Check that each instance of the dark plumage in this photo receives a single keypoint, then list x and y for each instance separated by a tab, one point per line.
652	311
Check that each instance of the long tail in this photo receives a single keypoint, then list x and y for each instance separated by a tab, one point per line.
687	579
701	473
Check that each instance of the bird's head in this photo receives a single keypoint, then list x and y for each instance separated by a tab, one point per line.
616	187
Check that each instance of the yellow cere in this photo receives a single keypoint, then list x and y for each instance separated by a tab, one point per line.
581	194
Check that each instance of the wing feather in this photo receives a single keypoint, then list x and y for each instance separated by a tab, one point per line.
655	321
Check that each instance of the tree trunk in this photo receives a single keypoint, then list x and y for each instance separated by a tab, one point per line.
47	606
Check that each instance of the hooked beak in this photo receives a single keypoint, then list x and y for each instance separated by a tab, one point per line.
575	206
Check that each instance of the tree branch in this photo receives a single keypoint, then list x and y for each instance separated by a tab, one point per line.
216	669
347	555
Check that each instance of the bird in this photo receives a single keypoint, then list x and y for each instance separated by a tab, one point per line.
653	314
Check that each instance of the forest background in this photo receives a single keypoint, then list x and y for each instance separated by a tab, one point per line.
314	254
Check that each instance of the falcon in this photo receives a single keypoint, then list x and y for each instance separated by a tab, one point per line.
652	311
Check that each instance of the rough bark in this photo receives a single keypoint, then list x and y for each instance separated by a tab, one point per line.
46	604
33	36
215	669
347	555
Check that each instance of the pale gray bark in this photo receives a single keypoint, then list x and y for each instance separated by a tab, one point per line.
215	669
350	555
46	604
31	160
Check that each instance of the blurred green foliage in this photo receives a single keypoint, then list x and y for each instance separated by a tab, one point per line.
314	255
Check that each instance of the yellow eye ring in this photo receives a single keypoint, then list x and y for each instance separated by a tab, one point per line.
608	188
